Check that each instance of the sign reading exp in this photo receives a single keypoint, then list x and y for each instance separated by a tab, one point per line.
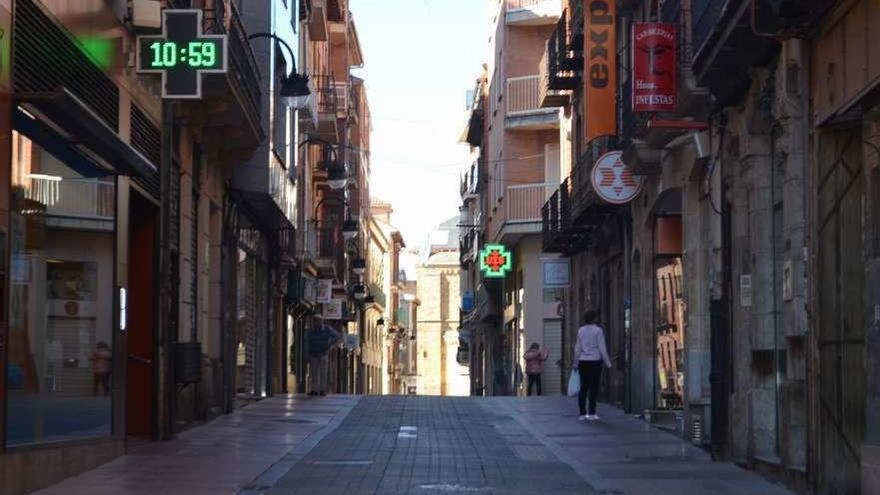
654	67
495	261
182	53
600	73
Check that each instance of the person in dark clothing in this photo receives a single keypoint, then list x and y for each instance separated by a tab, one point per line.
590	353
321	338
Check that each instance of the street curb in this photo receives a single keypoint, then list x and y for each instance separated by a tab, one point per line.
600	485
270	477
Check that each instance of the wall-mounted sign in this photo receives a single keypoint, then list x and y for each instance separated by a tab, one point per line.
654	67
467	301
613	181
182	53
351	341
333	310
600	74
557	273
324	290
495	261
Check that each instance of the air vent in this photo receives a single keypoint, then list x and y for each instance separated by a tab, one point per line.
147	139
47	57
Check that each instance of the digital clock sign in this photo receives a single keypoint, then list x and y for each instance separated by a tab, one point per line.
182	54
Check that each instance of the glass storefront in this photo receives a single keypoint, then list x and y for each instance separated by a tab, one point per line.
61	318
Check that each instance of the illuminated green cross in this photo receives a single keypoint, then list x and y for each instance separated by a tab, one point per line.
182	53
495	261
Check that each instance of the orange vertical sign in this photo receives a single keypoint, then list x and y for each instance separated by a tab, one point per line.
600	71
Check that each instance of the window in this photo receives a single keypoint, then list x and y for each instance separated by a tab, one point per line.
61	297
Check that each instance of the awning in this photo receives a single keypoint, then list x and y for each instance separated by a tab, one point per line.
80	125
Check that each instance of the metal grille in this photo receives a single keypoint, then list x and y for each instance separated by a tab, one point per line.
48	56
147	139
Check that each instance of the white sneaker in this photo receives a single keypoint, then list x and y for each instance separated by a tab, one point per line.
583	418
593	417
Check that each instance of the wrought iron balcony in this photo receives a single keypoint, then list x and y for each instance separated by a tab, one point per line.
562	60
574	210
328	107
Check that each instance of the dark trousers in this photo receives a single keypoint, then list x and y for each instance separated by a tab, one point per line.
102	380
590	372
534	379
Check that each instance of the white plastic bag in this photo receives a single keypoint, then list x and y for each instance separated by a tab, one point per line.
574	383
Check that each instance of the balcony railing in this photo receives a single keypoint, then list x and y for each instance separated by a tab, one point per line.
705	15
74	198
524	201
241	55
341	90
522	95
325	88
331	245
532	12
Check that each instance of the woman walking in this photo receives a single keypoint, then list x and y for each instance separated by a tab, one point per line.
590	353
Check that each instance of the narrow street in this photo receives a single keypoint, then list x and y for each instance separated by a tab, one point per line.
410	444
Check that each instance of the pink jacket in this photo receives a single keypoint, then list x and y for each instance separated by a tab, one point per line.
534	362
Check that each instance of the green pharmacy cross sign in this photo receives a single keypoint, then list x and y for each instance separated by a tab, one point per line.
182	54
495	261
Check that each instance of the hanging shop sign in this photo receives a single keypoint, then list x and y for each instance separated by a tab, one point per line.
600	75
182	54
613	181
495	261
654	67
324	290
333	310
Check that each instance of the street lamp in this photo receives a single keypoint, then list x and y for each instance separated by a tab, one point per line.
294	90
359	266
336	177
359	292
349	229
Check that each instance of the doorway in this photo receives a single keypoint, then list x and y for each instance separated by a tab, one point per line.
141	368
669	313
840	335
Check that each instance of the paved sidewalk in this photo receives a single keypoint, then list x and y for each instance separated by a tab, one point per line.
622	454
221	457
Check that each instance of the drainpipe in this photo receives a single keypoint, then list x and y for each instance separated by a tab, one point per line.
626	222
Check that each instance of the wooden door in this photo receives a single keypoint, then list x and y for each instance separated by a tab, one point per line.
840	332
141	363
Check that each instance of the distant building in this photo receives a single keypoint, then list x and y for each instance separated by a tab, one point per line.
437	340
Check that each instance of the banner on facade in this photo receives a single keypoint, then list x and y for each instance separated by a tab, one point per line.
654	67
600	74
332	310
557	273
324	290
310	290
613	181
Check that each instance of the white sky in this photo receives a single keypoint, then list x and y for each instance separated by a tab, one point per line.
420	58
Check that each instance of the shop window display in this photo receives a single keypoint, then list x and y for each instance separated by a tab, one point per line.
60	301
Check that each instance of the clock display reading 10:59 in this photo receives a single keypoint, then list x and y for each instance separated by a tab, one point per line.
202	54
